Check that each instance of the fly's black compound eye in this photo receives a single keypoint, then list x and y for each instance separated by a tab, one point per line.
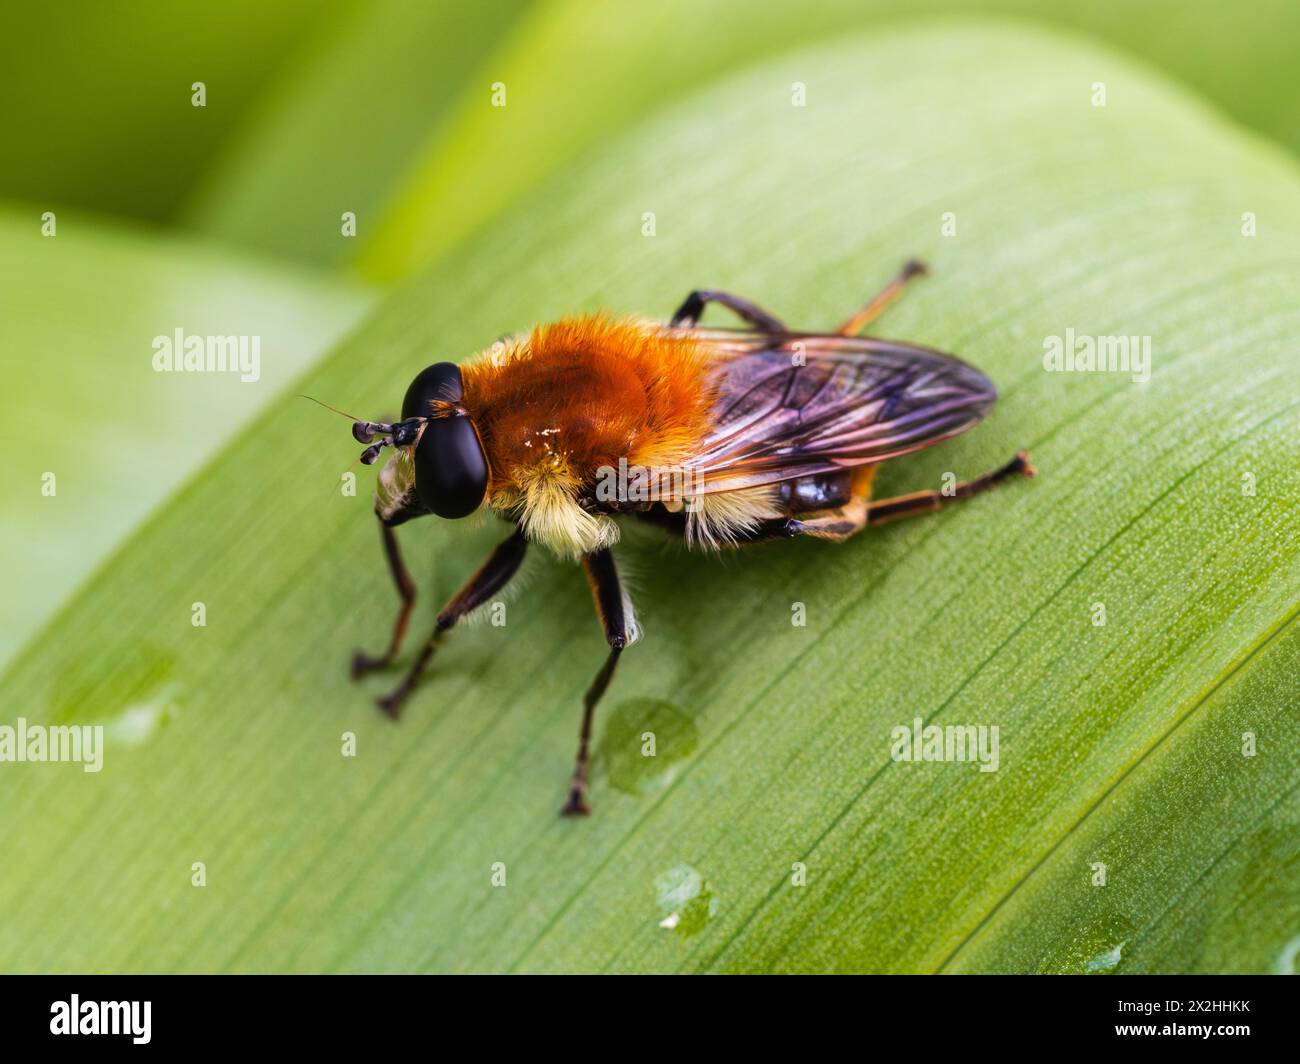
439	381
451	470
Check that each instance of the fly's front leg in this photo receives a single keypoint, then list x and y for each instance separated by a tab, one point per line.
693	306
616	616
492	577
876	307
363	663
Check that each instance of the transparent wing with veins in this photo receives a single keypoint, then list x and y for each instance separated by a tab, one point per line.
792	405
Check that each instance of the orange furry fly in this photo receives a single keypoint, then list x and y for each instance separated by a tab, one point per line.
721	436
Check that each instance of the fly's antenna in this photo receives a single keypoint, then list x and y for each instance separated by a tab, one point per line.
369	455
366	431
362	431
335	409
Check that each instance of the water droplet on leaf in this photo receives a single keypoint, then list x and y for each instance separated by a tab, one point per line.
622	755
685	900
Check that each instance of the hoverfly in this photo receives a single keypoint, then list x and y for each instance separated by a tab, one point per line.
763	433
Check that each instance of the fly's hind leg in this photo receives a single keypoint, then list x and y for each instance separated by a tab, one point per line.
616	617
860	511
839	522
875	307
688	314
882	510
492	577
693	306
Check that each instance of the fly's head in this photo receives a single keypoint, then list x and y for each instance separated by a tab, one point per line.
451	468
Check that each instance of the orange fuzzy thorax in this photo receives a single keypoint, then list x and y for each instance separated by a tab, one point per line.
581	393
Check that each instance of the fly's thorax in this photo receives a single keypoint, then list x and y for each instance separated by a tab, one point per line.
572	399
587	390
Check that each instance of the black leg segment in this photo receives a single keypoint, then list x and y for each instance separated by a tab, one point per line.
362	662
615	612
492	577
693	306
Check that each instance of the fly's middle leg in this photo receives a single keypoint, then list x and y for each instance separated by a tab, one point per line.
616	618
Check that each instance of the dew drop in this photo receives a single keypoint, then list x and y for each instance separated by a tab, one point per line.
635	728
128	688
1288	960
141	722
1097	950
685	900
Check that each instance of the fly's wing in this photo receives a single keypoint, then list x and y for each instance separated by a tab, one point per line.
802	404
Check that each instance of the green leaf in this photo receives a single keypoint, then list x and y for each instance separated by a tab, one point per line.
1121	744
80	311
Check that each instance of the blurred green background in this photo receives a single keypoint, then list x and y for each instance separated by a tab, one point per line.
228	218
